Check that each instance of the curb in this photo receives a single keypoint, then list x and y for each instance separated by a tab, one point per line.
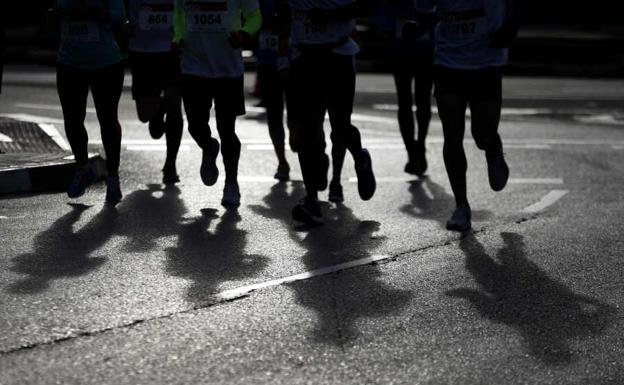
38	159
53	176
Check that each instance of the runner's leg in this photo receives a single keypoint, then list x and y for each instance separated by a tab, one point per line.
73	88
106	87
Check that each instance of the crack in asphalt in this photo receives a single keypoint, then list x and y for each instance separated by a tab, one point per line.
221	301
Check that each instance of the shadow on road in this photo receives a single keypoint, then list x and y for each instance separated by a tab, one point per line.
431	201
516	292
208	258
61	252
341	299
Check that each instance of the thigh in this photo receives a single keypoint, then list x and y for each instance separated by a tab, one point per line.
341	90
451	102
403	84
423	79
106	87
485	100
197	95
229	96
306	106
72	85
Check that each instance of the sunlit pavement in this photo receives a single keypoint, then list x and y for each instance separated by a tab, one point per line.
172	288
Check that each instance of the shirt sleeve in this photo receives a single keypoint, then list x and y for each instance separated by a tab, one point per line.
252	16
117	13
179	22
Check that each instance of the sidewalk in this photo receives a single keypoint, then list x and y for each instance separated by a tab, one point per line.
36	158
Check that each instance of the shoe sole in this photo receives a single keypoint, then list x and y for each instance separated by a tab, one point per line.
366	178
208	171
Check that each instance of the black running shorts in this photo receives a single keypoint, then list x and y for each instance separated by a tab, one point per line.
152	72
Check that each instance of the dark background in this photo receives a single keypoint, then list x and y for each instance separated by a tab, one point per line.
558	37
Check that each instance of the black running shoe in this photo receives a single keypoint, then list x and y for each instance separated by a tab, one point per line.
82	179
308	211
335	192
498	172
208	171
460	220
365	175
157	124
420	155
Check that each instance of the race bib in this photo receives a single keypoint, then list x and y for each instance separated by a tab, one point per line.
156	17
207	16
463	25
268	42
80	31
304	30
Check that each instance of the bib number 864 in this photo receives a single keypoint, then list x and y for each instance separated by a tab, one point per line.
157	19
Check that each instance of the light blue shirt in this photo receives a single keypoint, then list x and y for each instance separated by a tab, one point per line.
462	35
88	44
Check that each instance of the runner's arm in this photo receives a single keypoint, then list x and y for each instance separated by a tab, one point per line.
252	20
179	22
504	36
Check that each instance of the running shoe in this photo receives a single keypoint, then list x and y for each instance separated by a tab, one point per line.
411	168
335	192
156	125
170	175
308	211
113	191
208	171
231	195
498	172
283	172
460	220
322	173
365	175
82	179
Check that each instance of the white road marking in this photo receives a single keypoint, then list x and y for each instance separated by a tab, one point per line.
535	181
407	179
617	147
49	107
154	147
504	111
5	138
245	290
55	135
546	201
33	118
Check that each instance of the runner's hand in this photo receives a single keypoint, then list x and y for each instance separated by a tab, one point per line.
239	38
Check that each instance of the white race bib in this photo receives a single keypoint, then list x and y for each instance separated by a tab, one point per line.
268	41
468	25
305	31
207	16
80	31
156	17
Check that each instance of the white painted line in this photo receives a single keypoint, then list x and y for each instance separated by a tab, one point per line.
33	118
528	146
504	111
49	107
154	147
5	138
55	135
617	147
535	181
245	290
406	179
372	119
546	201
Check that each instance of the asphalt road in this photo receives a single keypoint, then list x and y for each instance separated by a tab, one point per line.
171	288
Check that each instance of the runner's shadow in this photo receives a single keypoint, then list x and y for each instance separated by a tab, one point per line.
60	252
516	292
339	300
209	258
149	215
431	201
